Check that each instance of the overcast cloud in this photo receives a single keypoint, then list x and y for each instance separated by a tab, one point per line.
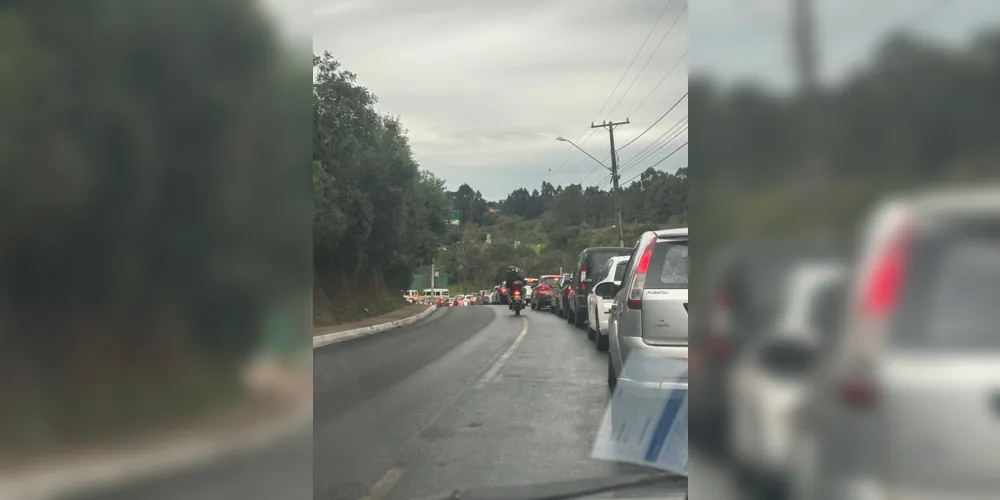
748	39
485	87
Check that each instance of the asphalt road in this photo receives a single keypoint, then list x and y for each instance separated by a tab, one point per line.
471	396
282	470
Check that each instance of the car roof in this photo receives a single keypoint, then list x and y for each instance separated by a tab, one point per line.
671	233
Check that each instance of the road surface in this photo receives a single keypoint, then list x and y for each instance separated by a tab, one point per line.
471	396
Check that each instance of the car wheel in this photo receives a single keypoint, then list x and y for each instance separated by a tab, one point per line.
591	333
612	377
578	320
534	306
569	316
601	341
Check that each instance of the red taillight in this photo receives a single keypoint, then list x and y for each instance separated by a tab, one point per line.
886	281
517	293
857	393
503	290
583	276
635	291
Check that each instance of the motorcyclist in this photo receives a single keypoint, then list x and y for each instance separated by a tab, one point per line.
514	281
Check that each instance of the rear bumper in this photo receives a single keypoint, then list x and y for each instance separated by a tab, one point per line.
543	300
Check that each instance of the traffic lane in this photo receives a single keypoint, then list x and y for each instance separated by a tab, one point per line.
712	477
534	420
282	470
358	439
346	373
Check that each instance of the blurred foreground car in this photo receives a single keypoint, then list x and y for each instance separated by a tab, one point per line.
599	300
905	403
741	300
650	308
769	377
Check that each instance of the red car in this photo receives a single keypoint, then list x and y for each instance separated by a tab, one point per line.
541	294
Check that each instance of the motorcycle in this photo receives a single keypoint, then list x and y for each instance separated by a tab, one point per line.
517	301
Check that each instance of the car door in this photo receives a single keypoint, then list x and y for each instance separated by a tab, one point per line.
616	309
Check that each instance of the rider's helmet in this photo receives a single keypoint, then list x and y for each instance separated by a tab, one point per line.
512	268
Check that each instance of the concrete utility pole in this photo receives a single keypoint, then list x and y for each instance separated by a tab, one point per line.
614	175
432	275
803	30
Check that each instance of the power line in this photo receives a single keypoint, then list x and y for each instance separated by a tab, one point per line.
674	129
644	99
640	174
662	159
650	58
654	123
607	180
612	94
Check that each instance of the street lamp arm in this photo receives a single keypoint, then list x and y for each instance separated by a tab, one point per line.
563	139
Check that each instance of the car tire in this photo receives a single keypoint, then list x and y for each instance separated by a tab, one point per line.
612	376
534	306
591	333
569	316
601	342
578	320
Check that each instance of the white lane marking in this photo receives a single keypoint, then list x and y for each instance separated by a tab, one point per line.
383	485
503	359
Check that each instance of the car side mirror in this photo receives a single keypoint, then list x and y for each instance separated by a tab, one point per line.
605	290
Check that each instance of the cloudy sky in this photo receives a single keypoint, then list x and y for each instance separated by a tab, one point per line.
748	39
485	87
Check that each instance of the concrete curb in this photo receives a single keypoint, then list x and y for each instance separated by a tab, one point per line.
78	478
333	338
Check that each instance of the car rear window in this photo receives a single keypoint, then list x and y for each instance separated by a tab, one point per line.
952	300
550	280
597	259
620	270
668	266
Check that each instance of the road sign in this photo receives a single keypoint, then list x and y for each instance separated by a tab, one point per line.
456	217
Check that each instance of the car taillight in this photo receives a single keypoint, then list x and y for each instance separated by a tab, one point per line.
635	290
517	293
583	276
886	281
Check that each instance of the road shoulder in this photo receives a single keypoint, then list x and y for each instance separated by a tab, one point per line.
348	331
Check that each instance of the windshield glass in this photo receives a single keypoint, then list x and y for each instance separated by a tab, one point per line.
668	266
420	183
953	299
620	270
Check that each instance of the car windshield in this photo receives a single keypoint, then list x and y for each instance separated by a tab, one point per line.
620	269
668	265
953	297
420	183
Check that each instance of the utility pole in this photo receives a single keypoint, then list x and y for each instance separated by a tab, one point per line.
614	175
804	48
433	261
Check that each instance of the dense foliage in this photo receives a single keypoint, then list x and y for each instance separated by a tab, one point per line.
551	225
155	200
377	215
918	114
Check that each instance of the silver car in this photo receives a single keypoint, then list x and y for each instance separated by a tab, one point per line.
650	308
905	401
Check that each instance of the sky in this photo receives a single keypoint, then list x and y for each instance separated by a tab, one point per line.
740	40
485	87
